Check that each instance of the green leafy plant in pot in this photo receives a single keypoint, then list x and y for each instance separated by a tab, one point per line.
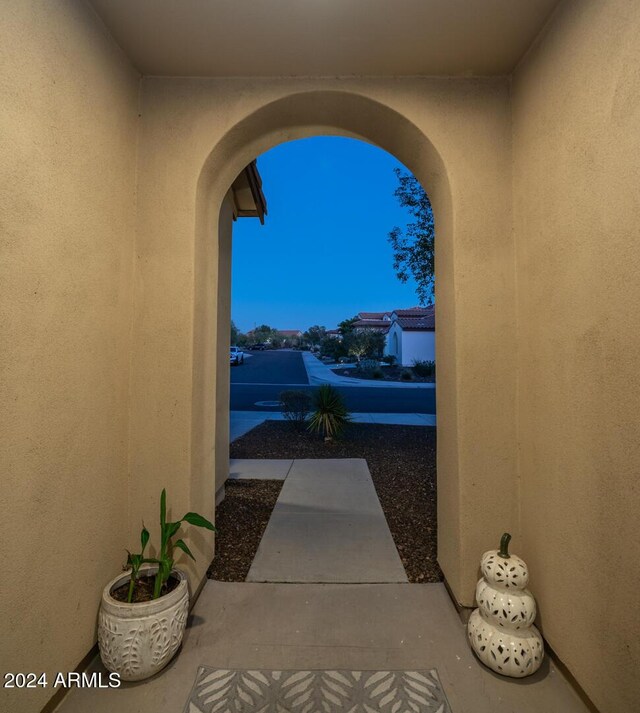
139	638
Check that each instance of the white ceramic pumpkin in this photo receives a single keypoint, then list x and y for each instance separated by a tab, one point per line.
512	611
515	654
501	631
509	572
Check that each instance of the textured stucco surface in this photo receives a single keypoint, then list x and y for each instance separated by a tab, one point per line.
576	121
114	348
68	119
196	135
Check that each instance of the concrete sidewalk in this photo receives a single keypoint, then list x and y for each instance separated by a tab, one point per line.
320	373
242	422
327	526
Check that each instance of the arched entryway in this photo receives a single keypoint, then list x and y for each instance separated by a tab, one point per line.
193	149
298	116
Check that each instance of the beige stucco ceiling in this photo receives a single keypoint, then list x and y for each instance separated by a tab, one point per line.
324	37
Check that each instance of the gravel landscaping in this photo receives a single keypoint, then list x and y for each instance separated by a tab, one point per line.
241	519
402	462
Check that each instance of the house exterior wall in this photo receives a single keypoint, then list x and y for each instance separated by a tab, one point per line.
218	468
112	341
68	121
196	135
410	346
418	346
576	121
393	344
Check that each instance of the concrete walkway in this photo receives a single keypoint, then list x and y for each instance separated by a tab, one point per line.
308	627
242	422
331	626
320	373
327	526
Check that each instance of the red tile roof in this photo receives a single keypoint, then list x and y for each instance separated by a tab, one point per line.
416	311
372	315
381	325
418	324
411	319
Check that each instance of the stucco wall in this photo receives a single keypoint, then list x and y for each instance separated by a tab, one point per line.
418	346
222	392
196	135
68	117
576	118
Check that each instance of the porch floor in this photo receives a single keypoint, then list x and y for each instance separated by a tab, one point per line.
330	624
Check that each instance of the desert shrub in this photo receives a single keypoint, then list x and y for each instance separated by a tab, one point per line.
330	416
406	375
368	365
295	407
424	367
389	359
377	374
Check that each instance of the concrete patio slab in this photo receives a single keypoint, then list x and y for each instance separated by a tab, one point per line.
337	486
259	468
331	626
327	526
316	547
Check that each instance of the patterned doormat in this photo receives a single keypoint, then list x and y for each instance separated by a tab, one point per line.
239	691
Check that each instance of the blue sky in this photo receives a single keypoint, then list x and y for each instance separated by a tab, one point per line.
322	254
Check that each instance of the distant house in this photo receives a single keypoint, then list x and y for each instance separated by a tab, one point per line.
379	321
412	335
290	336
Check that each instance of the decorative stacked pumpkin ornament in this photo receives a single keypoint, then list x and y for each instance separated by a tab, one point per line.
501	630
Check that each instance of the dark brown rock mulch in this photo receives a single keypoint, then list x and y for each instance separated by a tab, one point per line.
241	519
402	462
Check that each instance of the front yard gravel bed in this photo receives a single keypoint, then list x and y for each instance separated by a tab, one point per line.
402	462
241	519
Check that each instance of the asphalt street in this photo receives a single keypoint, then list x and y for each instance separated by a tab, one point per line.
270	367
265	374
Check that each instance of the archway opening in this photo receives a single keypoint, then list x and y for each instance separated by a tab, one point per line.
318	113
323	262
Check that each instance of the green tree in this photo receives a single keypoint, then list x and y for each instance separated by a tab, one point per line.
235	333
364	343
346	326
265	333
333	348
314	335
413	248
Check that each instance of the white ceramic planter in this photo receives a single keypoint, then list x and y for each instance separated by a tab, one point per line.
138	640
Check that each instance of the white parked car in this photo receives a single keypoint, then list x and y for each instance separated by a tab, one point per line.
236	356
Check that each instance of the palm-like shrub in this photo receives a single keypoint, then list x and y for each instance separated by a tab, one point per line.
331	415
